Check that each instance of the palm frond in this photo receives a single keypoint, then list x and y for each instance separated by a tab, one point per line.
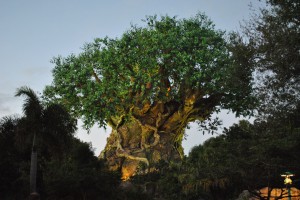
32	105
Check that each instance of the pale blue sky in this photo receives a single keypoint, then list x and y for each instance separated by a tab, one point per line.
32	32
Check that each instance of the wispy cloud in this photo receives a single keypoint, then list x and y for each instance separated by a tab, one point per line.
35	71
8	105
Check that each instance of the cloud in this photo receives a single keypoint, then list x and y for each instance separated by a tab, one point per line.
4	109
35	72
8	105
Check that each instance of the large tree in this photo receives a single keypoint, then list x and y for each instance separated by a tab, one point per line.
273	44
149	84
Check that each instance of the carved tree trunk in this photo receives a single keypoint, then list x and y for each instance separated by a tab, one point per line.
148	135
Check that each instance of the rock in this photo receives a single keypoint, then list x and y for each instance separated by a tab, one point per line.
245	195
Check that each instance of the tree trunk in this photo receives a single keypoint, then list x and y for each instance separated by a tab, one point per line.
33	170
33	167
150	134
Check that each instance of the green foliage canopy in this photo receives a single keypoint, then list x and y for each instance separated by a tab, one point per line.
247	156
165	60
273	45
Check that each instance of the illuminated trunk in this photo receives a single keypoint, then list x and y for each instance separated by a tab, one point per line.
150	134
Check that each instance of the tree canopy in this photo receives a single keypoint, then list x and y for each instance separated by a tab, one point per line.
273	46
167	59
52	124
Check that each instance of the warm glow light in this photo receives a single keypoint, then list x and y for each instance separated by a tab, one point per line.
287	180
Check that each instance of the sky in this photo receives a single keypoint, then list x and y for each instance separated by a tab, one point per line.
32	32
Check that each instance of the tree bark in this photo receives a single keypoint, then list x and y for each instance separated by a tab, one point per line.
33	167
146	136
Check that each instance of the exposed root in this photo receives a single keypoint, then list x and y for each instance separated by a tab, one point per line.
155	129
120	152
177	143
155	134
131	157
143	145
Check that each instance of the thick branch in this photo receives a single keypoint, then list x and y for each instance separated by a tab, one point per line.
155	134
96	77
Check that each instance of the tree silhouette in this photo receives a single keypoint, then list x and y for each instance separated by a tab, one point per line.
49	127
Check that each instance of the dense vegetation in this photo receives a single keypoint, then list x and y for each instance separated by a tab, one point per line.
66	167
149	84
271	44
246	156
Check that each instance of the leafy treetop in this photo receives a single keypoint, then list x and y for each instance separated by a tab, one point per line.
166	60
273	45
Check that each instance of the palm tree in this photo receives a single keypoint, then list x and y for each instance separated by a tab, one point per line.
49	126
32	109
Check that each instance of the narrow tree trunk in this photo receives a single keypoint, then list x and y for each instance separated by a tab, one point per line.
33	168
